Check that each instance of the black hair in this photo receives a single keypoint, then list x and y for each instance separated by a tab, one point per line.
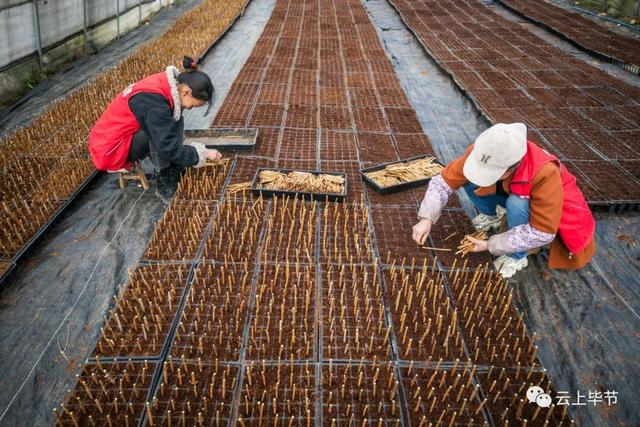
199	82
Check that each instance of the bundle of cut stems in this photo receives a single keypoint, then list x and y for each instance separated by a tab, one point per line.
399	173
220	162
238	187
301	181
467	245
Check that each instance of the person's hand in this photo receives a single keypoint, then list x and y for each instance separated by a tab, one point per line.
421	231
480	245
214	155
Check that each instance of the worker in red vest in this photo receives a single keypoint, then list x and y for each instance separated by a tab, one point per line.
505	174
145	119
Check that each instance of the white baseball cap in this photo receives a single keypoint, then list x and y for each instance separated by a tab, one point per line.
495	150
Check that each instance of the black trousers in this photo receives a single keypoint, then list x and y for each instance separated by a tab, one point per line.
142	146
139	148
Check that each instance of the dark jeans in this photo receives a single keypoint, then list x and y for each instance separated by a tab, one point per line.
517	209
139	148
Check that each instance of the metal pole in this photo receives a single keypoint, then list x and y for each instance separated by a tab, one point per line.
84	23
118	18
38	34
139	12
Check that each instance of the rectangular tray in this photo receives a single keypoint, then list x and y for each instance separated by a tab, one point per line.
615	206
224	138
6	268
398	187
321	197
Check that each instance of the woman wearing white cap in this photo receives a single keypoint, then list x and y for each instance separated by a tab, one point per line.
503	170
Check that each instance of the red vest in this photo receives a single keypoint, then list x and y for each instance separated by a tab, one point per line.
110	137
576	223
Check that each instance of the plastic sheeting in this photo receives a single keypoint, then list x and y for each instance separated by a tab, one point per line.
57	19
51	308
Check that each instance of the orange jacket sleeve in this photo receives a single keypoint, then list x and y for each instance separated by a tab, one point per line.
452	174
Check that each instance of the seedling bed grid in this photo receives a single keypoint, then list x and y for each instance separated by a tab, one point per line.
551	70
142	316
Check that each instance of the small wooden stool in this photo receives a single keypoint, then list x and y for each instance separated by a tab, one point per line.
136	174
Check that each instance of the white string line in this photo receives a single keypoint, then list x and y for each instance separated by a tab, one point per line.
608	283
95	267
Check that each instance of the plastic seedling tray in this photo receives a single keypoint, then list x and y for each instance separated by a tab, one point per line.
331	197
224	138
614	206
6	268
397	187
63	204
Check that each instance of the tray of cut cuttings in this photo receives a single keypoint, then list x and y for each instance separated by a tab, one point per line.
401	175
306	184
224	138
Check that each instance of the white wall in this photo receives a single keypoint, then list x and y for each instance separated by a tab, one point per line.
60	19
17	33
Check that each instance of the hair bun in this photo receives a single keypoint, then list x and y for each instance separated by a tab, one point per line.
188	63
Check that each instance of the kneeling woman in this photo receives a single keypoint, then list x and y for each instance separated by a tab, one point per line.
145	119
542	201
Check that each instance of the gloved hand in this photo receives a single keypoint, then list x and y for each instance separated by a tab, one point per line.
214	155
421	231
480	245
